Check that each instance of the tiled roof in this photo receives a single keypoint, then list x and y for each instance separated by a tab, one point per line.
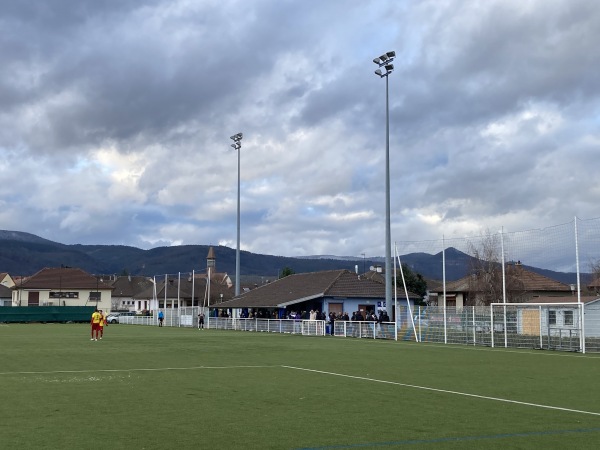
63	278
185	289
564	299
535	282
128	286
379	277
531	282
300	287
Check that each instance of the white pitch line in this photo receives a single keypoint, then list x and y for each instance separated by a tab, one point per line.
158	369
446	391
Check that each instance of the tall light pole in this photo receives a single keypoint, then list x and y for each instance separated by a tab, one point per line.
237	145
385	61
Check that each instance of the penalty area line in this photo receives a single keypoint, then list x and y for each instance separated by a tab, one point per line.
156	369
445	391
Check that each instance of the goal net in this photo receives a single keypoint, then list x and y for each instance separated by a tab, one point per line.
552	325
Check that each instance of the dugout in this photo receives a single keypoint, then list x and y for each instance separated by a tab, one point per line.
27	314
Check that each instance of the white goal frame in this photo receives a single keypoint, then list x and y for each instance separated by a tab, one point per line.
553	320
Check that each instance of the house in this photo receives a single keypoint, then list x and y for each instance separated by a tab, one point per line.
6	283
336	291
560	316
64	286
522	285
125	288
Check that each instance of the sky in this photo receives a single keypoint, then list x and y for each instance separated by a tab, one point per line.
116	117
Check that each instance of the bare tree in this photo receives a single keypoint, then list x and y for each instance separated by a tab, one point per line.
485	282
594	284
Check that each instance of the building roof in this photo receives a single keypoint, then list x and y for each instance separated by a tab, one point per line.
185	288
128	286
63	278
531	281
565	299
300	287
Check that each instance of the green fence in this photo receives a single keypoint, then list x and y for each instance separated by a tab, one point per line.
46	313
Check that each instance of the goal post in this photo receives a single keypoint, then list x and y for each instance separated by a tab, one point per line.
552	326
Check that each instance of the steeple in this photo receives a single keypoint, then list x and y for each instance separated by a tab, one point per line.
210	259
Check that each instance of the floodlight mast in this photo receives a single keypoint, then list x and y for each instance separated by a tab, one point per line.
385	61
237	145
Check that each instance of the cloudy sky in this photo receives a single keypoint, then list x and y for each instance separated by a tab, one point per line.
115	118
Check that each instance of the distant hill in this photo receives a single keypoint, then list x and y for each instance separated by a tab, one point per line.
25	254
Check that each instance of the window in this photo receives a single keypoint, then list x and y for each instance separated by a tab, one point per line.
551	317
62	294
568	317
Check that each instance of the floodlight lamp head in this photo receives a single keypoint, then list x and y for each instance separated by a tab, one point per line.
389	67
239	135
378	72
391	54
232	137
377	61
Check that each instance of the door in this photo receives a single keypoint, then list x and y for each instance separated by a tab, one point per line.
336	308
33	299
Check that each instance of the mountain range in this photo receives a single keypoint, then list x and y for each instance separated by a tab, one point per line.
24	254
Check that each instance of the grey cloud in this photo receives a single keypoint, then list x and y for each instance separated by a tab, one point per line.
489	101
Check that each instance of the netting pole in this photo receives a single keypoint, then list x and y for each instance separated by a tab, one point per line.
178	299
503	285
474	335
171	318
492	324
412	321
581	317
155	297
420	312
395	297
444	282
208	297
541	328
194	315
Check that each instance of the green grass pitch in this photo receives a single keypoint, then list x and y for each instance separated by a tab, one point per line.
161	388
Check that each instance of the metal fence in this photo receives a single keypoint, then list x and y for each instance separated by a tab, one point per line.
559	326
565	327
